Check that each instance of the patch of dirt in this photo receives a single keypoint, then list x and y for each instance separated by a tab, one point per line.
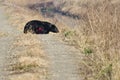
20	55
7	36
63	58
3	34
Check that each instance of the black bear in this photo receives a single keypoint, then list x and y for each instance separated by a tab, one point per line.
40	27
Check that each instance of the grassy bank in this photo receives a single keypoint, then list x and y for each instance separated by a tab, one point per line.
97	38
96	35
28	61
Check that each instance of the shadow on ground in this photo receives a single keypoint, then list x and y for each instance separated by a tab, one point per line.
49	9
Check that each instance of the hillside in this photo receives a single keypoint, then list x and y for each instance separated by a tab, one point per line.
91	26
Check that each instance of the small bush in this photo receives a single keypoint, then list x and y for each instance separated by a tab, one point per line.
68	33
87	51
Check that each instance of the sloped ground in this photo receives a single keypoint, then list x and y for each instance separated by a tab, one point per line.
98	34
21	56
8	34
63	58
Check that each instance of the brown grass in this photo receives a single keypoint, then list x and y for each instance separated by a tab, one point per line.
3	34
29	62
25	2
28	58
97	36
99	39
27	76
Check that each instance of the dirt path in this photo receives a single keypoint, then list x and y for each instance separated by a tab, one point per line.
63	60
5	42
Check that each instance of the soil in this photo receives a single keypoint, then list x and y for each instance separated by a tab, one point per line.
6	40
63	58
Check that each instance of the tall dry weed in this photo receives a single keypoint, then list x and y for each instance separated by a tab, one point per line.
101	34
98	38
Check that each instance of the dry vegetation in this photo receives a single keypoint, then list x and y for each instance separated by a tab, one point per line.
28	62
98	38
97	35
3	34
28	59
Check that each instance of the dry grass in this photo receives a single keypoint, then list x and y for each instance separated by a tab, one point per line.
99	40
19	7
26	40
97	37
28	58
27	76
25	2
3	34
28	62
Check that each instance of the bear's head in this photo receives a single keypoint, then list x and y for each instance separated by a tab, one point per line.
53	28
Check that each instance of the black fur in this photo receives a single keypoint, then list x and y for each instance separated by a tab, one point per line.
40	27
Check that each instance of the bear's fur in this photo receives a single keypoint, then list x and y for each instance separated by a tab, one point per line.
40	27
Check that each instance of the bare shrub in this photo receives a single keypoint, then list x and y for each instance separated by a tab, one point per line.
101	32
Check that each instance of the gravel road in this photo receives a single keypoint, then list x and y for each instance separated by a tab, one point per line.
63	58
